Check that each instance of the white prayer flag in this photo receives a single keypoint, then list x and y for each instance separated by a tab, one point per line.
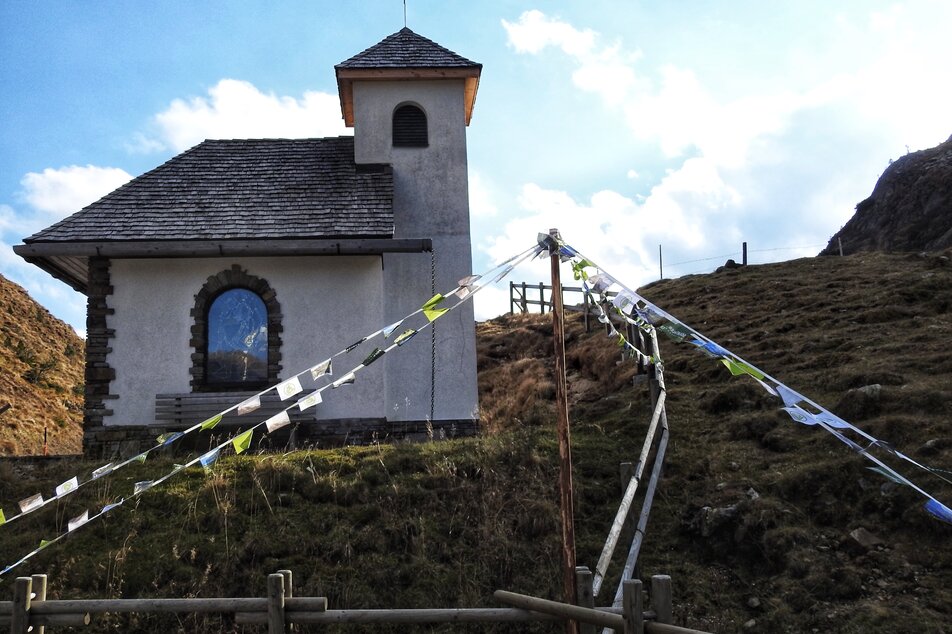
76	522
389	329
463	292
103	470
109	507
321	369
833	420
347	379
289	388
800	415
249	405
278	421
789	397
31	503
66	487
139	487
309	401
469	280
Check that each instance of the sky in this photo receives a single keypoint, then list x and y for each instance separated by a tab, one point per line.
688	126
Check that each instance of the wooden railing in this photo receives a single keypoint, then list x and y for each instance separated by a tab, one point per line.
31	610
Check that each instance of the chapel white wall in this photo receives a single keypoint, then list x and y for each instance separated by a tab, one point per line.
327	303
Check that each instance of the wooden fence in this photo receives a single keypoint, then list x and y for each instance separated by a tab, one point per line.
280	609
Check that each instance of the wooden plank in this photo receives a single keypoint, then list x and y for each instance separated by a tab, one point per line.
49	251
409	616
167	606
562	610
39	621
601	569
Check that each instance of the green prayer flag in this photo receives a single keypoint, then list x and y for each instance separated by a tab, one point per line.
141	457
739	367
434	313
3	519
242	442
433	301
211	422
405	336
44	543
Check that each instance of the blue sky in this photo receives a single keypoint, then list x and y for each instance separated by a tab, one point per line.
694	125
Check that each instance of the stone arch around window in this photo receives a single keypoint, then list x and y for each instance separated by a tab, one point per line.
410	126
214	286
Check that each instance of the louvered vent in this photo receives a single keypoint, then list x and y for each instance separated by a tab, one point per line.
409	127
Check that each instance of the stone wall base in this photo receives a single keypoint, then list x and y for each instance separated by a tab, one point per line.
123	441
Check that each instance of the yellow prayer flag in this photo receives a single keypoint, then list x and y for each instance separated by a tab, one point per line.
211	422
242	442
434	313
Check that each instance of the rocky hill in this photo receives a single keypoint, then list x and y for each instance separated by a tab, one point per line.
41	378
910	208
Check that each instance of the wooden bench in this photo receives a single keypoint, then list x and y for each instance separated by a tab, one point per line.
180	411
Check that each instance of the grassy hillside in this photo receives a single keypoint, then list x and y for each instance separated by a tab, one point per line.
753	519
41	377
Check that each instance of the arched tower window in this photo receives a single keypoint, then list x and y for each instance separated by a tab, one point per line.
409	127
236	334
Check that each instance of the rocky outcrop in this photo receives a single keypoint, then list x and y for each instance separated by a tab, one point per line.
910	208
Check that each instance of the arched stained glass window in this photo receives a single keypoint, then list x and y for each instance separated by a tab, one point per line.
237	339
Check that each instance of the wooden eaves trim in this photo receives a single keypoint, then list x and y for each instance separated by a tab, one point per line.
61	259
347	76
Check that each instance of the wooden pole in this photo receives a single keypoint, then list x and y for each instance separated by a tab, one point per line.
660	264
744	259
276	622
661	598
633	607
839	242
512	297
541	298
20	617
288	594
565	448
585	598
39	594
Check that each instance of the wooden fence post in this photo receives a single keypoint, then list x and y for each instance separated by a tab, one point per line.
288	591
525	306
20	617
39	594
512	297
541	298
584	596
661	598
633	607
276	621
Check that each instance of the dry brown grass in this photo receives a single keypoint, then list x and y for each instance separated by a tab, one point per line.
41	377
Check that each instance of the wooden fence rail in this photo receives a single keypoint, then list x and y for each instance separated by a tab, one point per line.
31	609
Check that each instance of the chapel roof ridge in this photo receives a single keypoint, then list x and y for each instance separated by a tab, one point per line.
407	49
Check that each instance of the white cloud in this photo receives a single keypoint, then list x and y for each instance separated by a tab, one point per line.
237	109
481	203
66	190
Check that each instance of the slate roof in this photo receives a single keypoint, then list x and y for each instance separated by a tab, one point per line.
243	189
406	49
